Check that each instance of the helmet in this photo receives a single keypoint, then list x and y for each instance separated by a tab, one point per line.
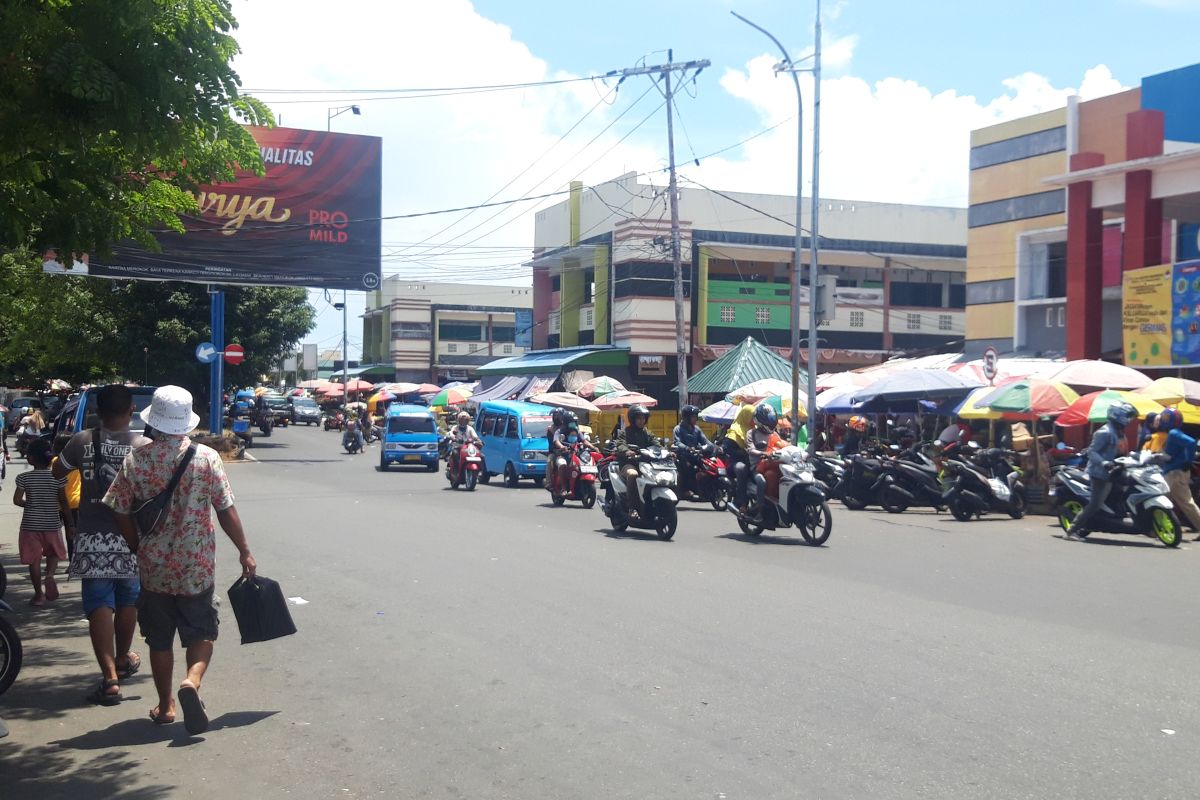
1121	414
636	411
569	417
858	423
1169	419
765	415
556	417
463	417
572	425
689	412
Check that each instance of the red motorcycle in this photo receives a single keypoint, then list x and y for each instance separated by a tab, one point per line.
711	482
584	472
466	468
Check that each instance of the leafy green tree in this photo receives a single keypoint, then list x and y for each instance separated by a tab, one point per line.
91	329
111	113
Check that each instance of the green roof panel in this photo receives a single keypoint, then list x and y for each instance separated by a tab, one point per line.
748	362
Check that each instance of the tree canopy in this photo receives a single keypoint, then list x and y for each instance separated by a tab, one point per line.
111	113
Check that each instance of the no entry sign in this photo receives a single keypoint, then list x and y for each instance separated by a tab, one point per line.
234	354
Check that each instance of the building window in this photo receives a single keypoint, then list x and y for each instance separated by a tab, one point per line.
504	333
461	331
762	314
588	316
1062	316
945	322
1039	204
555	323
507	350
1049	317
411	330
914	322
728	314
452	348
856	319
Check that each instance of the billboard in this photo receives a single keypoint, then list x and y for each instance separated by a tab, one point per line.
1160	313
312	220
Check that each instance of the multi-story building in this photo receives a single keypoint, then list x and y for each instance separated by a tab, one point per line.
602	274
437	332
1064	203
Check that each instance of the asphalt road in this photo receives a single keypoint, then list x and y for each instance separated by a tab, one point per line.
487	645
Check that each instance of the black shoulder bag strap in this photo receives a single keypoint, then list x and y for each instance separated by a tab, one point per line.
98	461
183	465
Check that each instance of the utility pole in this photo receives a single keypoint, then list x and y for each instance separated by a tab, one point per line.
665	71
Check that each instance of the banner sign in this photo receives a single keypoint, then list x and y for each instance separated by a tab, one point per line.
1149	311
1185	313
311	220
523	323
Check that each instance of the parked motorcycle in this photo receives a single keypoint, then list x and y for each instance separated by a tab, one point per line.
711	482
1139	503
10	650
465	469
335	421
988	483
828	469
583	478
657	477
801	501
857	488
909	479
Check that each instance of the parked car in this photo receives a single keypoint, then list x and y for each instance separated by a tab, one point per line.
304	410
80	414
280	409
19	408
410	436
514	440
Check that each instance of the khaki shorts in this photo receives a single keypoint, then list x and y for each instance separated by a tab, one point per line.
160	615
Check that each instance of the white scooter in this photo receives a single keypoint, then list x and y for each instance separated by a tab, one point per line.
657	477
801	502
1139	503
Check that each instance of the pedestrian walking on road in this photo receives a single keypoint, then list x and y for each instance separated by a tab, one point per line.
44	502
1180	450
102	559
177	557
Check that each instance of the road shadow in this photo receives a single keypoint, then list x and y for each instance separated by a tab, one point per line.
1106	540
52	773
141	731
766	539
631	534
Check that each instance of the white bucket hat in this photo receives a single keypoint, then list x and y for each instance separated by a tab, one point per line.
170	411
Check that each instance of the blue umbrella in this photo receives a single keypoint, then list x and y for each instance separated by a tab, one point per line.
244	394
912	385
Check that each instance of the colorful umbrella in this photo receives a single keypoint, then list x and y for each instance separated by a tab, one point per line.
1032	397
1098	374
451	397
326	388
1172	391
600	385
428	388
382	396
58	385
311	384
1094	407
783	405
332	394
356	385
972	406
399	389
759	390
720	413
562	400
623	400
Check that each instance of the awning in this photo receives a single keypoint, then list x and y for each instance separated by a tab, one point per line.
506	387
545	362
538	384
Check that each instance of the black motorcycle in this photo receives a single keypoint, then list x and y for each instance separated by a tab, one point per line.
857	487
10	650
988	483
909	479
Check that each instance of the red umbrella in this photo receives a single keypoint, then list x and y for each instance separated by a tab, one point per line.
356	385
623	400
428	388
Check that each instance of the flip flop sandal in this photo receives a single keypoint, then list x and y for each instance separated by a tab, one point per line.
100	695
195	717
133	662
160	718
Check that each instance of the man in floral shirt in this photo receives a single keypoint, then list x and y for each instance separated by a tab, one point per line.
177	562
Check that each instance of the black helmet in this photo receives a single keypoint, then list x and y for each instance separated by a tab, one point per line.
689	412
636	411
1121	414
569	416
556	416
572	425
765	415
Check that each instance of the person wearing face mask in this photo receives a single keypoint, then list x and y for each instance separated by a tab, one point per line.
631	441
758	444
688	440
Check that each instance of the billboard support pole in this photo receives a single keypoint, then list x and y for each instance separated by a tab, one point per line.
216	377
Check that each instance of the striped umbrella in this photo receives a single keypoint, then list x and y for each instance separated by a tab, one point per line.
1094	407
600	385
1033	397
454	396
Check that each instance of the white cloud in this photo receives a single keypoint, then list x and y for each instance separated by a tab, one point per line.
894	140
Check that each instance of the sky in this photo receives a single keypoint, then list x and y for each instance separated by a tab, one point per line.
903	85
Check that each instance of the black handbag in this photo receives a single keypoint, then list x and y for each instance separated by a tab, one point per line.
150	512
261	609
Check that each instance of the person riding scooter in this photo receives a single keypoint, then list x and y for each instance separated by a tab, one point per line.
687	441
734	447
634	438
1104	449
758	444
461	434
566	440
557	419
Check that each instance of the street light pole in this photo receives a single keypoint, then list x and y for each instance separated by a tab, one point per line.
330	113
789	66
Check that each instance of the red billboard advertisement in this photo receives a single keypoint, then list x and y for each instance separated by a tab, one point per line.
311	220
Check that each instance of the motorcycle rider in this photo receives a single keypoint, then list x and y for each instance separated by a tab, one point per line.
557	418
1180	450
352	434
559	463
1104	448
687	441
633	438
734	445
758	444
461	434
856	433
